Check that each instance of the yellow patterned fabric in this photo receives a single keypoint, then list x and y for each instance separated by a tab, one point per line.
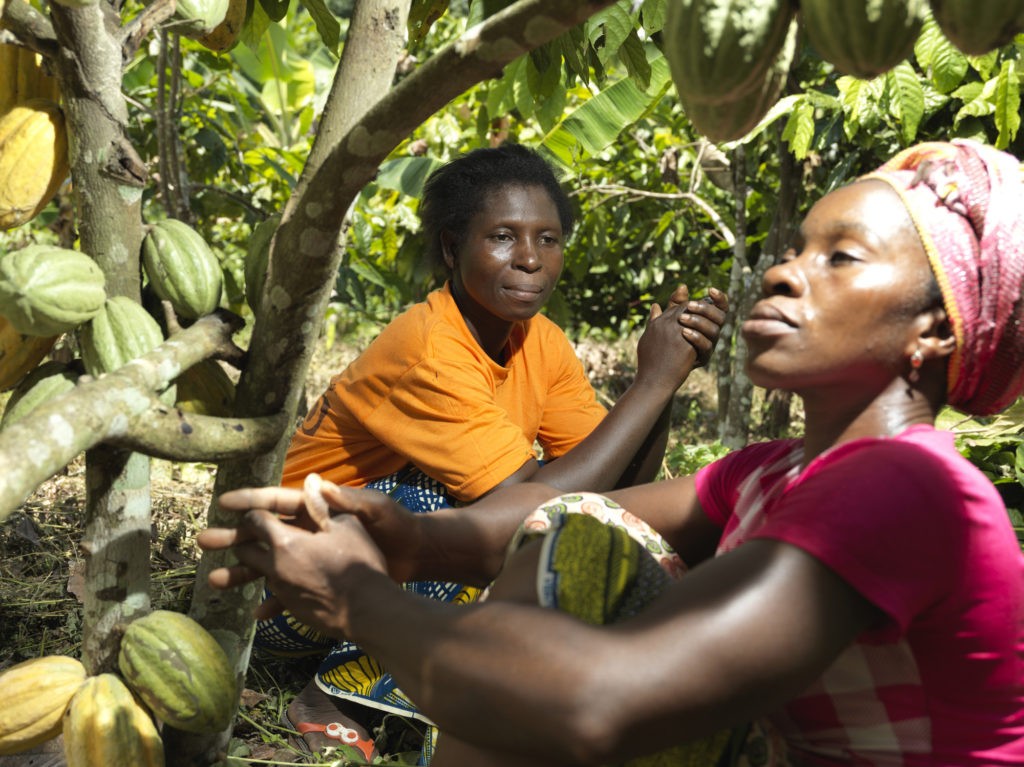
602	564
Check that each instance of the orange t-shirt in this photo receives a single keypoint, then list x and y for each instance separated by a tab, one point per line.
424	392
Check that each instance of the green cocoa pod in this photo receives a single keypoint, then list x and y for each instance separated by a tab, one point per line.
719	50
256	258
731	119
182	268
862	39
46	291
179	671
979	26
198	18
49	380
206	389
121	332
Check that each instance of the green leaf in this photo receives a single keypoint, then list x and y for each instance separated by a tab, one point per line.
944	64
369	273
611	26
968	92
799	130
547	92
255	26
906	100
985	65
572	45
850	89
326	24
275	9
599	121
422	15
982	104
634	57
406	174
1007	104
652	15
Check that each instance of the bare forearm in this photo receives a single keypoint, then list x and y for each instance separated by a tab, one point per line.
468	544
476	678
649	458
631	437
533	681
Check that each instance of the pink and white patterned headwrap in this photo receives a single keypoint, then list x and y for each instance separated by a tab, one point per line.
967	203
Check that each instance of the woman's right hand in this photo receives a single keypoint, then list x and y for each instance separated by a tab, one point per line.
393	528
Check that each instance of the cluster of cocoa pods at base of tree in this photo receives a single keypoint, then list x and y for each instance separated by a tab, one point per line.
171	672
729	59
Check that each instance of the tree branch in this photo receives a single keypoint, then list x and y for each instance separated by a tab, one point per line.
175	435
139	28
120	408
29	26
617	190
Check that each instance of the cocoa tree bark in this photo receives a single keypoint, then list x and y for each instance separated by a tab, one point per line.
735	389
732	428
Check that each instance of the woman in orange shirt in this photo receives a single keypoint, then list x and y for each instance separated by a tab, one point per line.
449	401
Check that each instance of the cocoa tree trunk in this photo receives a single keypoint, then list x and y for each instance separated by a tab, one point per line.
109	180
733	386
735	389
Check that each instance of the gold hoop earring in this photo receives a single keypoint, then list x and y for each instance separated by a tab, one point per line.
916	360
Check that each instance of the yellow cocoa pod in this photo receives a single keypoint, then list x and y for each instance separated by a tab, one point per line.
8	77
33	159
33	81
206	389
224	36
36	694
20	353
105	726
23	76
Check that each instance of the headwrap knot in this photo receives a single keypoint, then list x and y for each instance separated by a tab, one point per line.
967	202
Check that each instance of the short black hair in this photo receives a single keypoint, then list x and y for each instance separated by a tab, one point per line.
456	191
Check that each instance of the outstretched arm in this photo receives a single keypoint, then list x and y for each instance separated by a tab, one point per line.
735	638
468	544
465	544
627	447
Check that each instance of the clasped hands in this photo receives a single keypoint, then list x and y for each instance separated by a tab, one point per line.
700	321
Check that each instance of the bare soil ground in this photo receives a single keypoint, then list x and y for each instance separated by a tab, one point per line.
40	562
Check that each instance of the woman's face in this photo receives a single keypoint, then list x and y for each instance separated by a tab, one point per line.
510	258
839	309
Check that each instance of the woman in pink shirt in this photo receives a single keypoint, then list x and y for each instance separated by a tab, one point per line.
857	594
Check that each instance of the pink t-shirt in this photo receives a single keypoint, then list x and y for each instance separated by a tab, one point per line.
922	534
